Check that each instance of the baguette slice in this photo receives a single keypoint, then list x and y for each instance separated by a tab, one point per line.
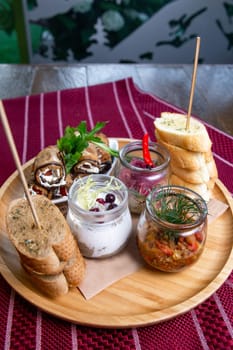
66	247
71	275
51	285
198	176
213	173
208	156
201	189
171	128
43	266
182	157
212	168
74	270
41	250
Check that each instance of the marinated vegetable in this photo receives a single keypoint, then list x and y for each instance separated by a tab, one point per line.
172	231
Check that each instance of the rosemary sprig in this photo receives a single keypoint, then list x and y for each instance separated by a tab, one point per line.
176	208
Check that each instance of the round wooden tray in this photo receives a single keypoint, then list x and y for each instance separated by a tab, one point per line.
143	298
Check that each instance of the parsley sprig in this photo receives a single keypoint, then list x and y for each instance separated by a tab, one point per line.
76	140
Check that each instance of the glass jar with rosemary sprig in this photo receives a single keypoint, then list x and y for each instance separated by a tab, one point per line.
171	231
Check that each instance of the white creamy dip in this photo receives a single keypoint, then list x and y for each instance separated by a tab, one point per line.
101	225
101	239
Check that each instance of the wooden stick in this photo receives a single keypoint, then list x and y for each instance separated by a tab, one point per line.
17	161
193	81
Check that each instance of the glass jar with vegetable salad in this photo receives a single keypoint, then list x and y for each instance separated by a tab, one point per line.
141	166
171	231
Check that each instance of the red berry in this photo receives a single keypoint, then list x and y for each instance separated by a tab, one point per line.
94	209
100	200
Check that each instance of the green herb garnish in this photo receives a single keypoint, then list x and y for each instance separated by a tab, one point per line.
176	208
76	140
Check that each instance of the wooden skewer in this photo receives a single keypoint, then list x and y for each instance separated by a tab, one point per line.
193	81
17	161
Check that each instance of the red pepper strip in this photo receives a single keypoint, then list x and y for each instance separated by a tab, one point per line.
192	243
165	249
146	152
199	236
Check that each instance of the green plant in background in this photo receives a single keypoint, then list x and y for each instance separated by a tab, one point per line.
178	29
73	33
6	16
93	26
9	52
229	10
31	4
228	35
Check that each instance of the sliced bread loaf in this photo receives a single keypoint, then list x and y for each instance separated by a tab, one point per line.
201	189
47	251
198	176
182	157
51	285
171	128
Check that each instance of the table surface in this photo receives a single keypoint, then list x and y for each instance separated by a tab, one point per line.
213	98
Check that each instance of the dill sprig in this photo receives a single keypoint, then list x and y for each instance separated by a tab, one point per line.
176	208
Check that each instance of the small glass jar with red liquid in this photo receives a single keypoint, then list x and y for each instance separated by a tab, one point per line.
139	177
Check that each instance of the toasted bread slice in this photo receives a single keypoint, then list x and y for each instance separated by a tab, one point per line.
198	176
182	157
208	156
45	249
47	265
212	168
51	285
171	128
74	270
201	189
65	248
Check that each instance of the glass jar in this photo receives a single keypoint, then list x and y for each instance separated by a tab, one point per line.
137	176
171	232
98	215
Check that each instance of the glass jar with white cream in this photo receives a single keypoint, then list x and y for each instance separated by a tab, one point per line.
99	216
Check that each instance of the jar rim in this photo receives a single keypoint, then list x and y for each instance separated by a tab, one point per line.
190	195
153	147
97	178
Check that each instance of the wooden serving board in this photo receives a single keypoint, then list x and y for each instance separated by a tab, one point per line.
143	298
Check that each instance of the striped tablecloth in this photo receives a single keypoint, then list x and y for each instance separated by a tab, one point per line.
39	120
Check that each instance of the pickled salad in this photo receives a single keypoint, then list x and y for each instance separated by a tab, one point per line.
172	232
169	252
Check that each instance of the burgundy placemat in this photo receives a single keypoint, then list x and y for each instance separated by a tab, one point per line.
38	121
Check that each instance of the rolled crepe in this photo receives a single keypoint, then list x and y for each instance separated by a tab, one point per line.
88	163
104	157
37	189
48	168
